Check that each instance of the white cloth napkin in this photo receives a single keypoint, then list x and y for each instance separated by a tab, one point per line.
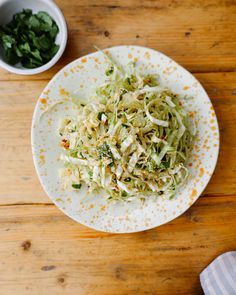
219	278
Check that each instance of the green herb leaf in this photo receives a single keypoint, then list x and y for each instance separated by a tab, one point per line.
8	41
45	17
104	151
164	165
44	42
111	164
128	179
25	48
36	54
53	31
110	71
29	38
76	185
54	49
124	194
90	173
128	83
34	23
18	52
74	153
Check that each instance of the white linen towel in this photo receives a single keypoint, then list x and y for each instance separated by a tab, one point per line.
219	278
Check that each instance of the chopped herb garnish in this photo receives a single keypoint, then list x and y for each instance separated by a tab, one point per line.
29	38
82	156
128	179
111	164
128	83
104	151
73	153
76	185
124	194
110	71
164	165
90	173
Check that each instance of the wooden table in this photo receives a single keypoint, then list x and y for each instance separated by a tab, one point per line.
44	252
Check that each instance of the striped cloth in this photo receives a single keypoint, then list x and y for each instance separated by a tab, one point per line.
219	278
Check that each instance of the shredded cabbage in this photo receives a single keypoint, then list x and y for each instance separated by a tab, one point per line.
132	138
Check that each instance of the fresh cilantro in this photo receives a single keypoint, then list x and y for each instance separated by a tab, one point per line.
82	156
164	165
124	194
111	164
74	153
128	83
127	179
110	71
29	38
76	185
90	173
104	151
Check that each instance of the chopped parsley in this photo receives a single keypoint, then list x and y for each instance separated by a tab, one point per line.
29	38
76	185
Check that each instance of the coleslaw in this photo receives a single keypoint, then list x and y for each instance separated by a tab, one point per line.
131	139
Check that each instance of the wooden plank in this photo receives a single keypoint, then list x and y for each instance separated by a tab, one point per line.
44	252
200	35
221	89
18	181
161	4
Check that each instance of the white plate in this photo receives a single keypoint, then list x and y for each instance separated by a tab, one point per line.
84	75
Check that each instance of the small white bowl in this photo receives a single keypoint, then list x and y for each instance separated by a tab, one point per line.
9	7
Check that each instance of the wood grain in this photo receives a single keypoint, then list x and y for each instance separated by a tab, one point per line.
198	34
44	252
18	180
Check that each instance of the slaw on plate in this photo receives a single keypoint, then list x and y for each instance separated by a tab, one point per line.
132	138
